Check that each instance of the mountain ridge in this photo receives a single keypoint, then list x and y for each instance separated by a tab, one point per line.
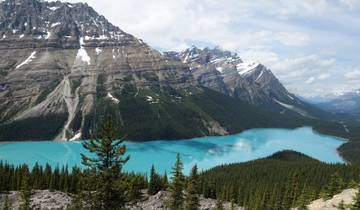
63	67
227	73
346	103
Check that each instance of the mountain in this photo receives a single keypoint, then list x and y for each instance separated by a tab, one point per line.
225	72
63	67
345	103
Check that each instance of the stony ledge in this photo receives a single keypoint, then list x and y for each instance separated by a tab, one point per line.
46	200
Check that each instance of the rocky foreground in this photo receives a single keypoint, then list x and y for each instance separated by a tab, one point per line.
40	200
46	200
158	202
347	196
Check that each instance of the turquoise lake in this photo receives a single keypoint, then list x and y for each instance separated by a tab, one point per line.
206	152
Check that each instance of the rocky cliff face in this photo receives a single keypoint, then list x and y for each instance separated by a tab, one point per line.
225	72
58	58
64	67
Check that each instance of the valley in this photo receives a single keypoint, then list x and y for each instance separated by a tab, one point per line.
93	117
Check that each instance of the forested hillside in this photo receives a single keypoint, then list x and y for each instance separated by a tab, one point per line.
283	180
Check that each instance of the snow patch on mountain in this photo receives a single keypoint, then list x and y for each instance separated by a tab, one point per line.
220	69
292	98
260	75
152	100
53	8
48	35
77	136
217	60
28	60
246	68
293	108
98	50
115	100
190	56
55	24
82	54
101	37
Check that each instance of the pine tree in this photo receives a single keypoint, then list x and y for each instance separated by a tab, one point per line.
25	189
75	181
232	204
134	188
35	175
290	193
47	178
165	182
52	183
353	184
192	196
55	179
304	198
6	203
154	182
356	203
335	186
177	185
108	163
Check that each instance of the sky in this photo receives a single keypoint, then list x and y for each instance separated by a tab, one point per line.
312	46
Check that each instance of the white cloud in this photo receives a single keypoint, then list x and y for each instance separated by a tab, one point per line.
264	57
320	74
310	80
353	75
351	4
323	76
293	38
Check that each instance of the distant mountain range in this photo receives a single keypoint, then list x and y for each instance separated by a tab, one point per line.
63	67
345	103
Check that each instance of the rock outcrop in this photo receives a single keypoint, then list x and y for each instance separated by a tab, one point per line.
40	200
347	196
158	202
46	200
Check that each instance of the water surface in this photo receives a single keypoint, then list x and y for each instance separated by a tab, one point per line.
206	152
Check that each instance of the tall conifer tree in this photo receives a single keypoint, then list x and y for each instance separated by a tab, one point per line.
108	162
192	196
177	185
25	189
154	182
